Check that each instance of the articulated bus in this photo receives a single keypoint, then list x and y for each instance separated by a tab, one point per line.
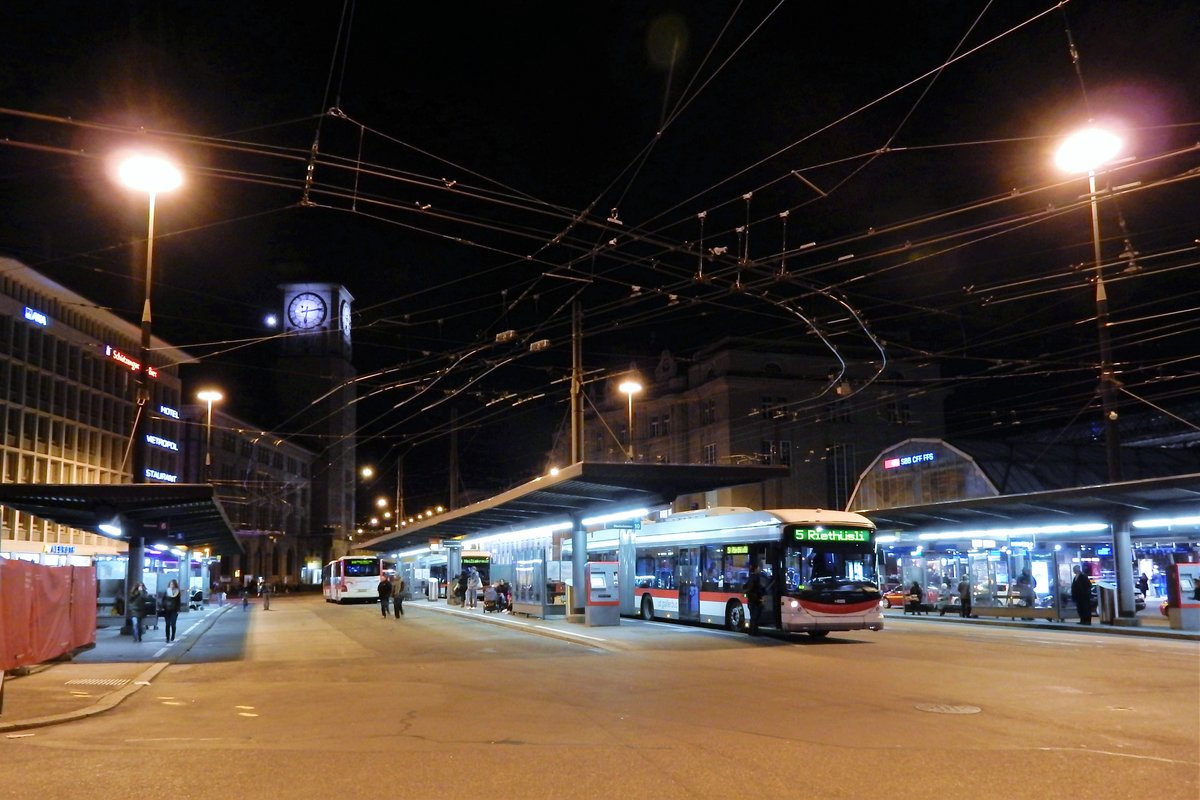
818	566
351	578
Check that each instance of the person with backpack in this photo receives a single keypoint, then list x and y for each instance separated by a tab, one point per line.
474	584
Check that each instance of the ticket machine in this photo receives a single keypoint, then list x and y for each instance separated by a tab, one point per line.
603	601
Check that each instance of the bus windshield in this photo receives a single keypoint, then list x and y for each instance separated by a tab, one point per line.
828	567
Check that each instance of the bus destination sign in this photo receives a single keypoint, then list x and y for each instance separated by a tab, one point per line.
831	535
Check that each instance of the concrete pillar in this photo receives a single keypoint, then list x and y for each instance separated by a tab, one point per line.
578	560
133	574
1123	554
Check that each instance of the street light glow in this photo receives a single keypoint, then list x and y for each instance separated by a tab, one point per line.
630	387
1086	150
209	396
149	174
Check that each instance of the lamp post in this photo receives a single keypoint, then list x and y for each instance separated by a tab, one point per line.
1087	151
630	387
209	396
149	174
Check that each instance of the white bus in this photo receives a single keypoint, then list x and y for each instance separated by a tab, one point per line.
351	578
819	567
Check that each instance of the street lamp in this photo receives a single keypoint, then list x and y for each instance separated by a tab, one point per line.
150	174
1087	151
208	396
630	387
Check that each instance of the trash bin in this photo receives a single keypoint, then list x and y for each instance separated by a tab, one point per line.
1107	603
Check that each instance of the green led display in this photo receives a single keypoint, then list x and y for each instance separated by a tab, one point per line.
831	535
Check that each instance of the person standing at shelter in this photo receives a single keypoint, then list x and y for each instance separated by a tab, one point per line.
398	588
138	599
385	594
964	597
1081	593
266	590
474	584
754	593
171	602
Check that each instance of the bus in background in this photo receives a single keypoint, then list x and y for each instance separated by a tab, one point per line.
818	568
351	578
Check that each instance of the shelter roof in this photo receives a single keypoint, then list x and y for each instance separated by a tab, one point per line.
1169	496
187	514
580	490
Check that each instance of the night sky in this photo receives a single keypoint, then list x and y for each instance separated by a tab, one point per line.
864	174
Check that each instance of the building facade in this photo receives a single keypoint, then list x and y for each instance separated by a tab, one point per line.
744	401
68	374
264	483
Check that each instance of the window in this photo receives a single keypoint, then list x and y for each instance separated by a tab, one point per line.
666	424
709	455
708	412
654	429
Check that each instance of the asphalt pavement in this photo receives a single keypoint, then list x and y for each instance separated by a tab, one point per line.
99	678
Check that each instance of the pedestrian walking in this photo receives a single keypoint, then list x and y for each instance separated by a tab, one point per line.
385	594
398	589
1081	593
245	598
754	592
266	591
171	602
138	598
474	584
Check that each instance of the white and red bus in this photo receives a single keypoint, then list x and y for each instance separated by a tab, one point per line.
351	579
818	568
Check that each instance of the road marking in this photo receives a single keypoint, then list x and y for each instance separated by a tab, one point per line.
98	682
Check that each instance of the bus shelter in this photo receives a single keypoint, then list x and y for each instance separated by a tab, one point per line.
530	519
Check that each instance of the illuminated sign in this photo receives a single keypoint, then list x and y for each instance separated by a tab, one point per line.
831	535
158	441
167	411
36	317
165	477
121	358
907	461
60	549
738	549
624	525
476	559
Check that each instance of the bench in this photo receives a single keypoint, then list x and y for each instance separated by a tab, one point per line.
918	608
1014	612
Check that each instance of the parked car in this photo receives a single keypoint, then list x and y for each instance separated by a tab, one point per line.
895	597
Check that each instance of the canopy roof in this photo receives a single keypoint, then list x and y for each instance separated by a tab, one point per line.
580	490
187	514
1178	495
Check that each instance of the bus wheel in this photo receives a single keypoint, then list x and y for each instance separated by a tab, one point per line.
647	607
818	634
735	616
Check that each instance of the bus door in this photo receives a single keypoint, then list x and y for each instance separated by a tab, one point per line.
688	567
773	576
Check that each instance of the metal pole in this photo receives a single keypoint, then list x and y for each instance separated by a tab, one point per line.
208	445
1108	383
630	426
1122	540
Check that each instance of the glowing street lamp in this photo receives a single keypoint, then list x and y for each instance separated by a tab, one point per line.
150	174
208	396
630	388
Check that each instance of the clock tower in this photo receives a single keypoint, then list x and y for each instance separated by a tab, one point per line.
315	391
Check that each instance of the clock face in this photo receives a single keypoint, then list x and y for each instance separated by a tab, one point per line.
345	318
307	310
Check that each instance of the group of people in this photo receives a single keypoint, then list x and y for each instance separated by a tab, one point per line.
470	585
391	593
142	604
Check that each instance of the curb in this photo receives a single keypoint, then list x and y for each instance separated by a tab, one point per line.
113	699
528	627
